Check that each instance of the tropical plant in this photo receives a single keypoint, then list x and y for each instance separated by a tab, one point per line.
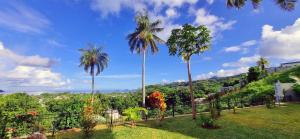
207	122
185	42
253	74
88	121
157	101
143	37
287	5
262	63
93	58
134	114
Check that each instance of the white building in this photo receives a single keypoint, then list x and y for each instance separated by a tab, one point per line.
290	64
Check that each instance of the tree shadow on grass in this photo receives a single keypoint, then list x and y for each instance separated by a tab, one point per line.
98	133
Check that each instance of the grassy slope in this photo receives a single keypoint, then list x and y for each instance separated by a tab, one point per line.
258	122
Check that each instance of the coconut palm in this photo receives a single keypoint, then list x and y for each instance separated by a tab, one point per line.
287	5
262	63
94	61
143	37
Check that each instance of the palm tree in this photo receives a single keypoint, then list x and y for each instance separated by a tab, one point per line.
262	63
93	59
144	36
287	5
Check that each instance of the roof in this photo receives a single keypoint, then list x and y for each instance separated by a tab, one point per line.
291	62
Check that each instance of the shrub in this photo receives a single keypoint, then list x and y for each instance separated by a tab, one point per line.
207	122
88	121
134	114
296	88
157	101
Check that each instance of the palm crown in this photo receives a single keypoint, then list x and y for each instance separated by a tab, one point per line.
262	63
145	34
92	58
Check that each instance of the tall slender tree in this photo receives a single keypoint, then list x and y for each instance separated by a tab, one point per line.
188	41
94	61
287	5
143	37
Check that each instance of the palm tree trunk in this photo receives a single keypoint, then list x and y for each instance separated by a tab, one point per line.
93	85
191	90
143	78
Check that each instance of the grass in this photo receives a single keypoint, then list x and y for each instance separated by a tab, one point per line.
257	123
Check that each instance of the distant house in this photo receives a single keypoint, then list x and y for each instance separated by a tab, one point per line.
290	64
283	66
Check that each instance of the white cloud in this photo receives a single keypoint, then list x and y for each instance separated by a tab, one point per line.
281	44
21	18
243	61
223	73
165	10
232	49
241	47
171	12
36	60
106	7
210	1
180	81
27	71
214	23
121	76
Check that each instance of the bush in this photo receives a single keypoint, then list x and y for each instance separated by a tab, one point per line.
296	88
88	121
207	122
134	114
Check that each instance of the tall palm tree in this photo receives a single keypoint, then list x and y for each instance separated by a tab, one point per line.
287	5
143	37
262	63
93	59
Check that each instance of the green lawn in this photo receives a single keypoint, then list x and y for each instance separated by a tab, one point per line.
256	123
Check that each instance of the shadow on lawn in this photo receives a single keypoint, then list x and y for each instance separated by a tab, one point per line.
182	125
99	133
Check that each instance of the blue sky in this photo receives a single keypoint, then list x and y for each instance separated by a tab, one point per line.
40	41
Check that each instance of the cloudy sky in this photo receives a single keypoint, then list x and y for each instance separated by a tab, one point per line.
39	41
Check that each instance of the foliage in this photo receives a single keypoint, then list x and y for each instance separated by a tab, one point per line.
207	122
188	41
255	122
134	114
296	88
88	121
144	35
91	58
157	101
18	114
253	74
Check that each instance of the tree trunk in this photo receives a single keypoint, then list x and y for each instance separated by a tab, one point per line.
191	90
143	78
93	85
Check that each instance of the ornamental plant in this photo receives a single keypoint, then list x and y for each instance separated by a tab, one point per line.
134	114
157	101
88	122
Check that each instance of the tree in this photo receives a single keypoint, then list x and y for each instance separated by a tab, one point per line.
186	42
93	58
144	36
262	63
287	5
253	74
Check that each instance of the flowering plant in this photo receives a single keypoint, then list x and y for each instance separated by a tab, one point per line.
157	101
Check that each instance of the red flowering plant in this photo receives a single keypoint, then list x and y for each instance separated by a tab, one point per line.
157	101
